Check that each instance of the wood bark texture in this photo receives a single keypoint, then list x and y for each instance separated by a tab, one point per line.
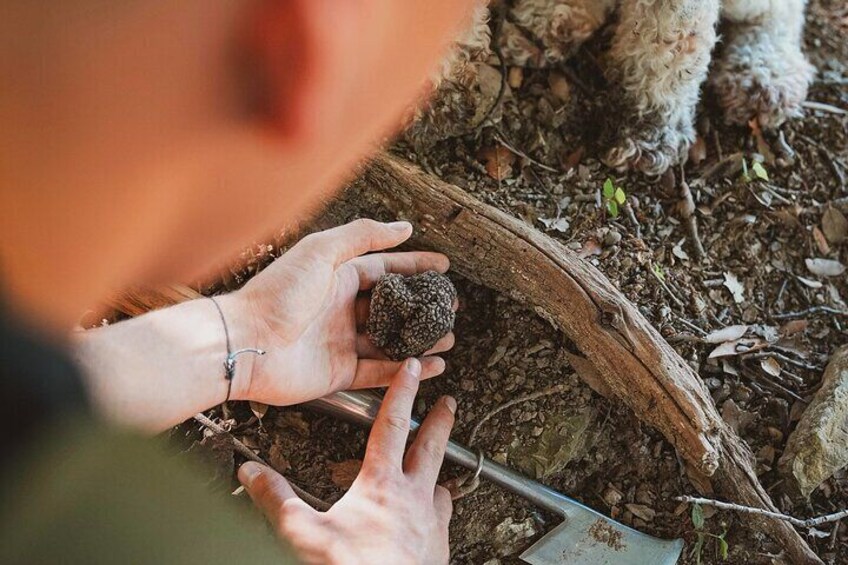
630	357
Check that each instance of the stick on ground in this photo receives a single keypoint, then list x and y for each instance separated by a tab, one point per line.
632	359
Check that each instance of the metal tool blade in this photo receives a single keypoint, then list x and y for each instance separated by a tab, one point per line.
585	538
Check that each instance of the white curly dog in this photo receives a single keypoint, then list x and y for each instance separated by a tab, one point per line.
658	61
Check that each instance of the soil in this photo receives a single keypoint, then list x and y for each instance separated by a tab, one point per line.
575	441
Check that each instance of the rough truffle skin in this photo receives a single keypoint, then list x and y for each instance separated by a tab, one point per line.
410	314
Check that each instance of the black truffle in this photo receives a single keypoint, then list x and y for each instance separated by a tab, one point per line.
410	314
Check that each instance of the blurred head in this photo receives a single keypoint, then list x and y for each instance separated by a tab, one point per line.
143	141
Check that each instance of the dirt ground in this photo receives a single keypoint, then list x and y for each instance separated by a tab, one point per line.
508	371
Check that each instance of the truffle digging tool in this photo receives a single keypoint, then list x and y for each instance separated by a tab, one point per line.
586	537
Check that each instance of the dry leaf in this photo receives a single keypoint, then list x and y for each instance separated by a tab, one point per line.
557	224
834	225
590	247
821	241
738	347
498	161
794	327
731	282
698	151
825	267
573	159
344	473
259	410
809	282
559	86
763	148
730	333
771	366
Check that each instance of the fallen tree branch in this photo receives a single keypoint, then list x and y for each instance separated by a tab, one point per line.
808	523
631	358
247	453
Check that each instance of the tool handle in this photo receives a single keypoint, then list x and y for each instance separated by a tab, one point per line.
361	407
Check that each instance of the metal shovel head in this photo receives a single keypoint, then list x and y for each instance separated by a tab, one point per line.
588	538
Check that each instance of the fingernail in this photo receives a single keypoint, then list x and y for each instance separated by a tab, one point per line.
248	472
399	226
413	365
450	402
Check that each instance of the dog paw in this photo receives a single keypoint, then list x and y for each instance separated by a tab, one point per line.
647	147
759	78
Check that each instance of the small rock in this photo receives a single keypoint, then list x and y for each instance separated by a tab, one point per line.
819	445
612	496
612	238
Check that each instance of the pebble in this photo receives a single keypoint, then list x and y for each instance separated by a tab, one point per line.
612	238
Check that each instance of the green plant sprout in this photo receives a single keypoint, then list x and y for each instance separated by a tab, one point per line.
757	168
614	197
703	535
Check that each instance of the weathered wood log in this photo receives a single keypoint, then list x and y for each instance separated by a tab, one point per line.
819	445
632	359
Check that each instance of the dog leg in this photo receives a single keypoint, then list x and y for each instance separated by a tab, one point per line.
463	88
539	33
657	63
761	72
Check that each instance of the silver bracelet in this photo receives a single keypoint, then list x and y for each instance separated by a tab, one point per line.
230	361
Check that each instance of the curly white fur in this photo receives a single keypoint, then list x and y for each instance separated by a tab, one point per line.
658	62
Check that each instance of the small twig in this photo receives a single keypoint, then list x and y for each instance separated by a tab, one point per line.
631	215
782	357
667	289
808	311
797	522
555	389
245	451
687	211
500	139
822	107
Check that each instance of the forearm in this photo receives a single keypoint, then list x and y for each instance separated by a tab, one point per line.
159	369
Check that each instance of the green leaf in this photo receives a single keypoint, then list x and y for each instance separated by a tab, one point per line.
660	274
699	547
722	548
759	171
620	196
697	509
612	207
609	189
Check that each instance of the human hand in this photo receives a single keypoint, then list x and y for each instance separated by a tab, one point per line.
306	313
394	512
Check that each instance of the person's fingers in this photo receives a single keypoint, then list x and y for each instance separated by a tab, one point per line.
268	490
443	503
361	236
361	309
425	455
371	267
366	349
372	373
390	431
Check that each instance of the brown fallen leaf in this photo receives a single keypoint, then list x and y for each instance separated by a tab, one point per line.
730	333
559	86
825	267
498	161
821	241
344	473
794	327
738	347
834	225
763	148
590	247
259	410
771	366
698	151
